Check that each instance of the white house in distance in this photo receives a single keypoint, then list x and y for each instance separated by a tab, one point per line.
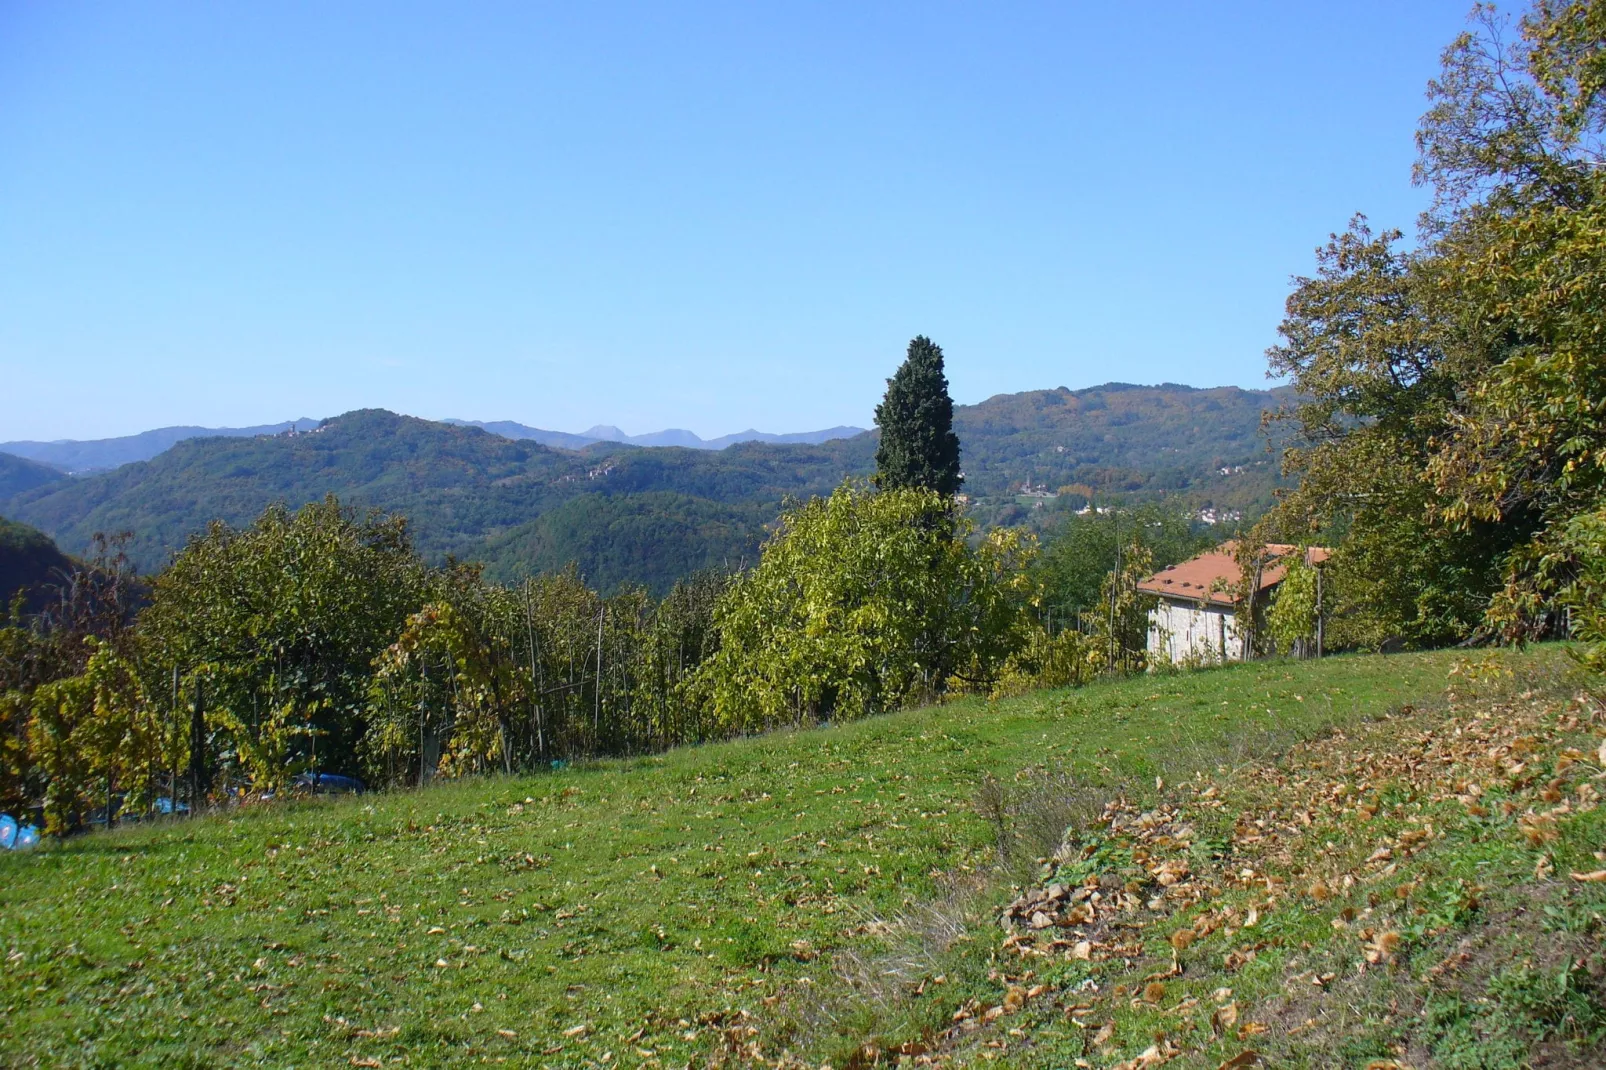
1196	618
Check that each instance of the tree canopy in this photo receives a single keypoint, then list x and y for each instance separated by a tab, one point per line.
918	447
1453	422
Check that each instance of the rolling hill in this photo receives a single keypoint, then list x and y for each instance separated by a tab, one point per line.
631	513
28	562
19	475
102	454
459	486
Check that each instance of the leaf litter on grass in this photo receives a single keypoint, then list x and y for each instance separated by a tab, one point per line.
1310	910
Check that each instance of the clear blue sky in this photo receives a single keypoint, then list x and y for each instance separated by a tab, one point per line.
710	216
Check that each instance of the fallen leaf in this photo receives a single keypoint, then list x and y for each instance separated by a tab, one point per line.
1382	947
1592	877
1242	1059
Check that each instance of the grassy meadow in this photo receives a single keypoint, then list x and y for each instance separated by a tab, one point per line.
746	901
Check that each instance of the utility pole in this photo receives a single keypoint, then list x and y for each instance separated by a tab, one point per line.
172	772
536	681
596	718
1319	622
1115	584
423	700
198	782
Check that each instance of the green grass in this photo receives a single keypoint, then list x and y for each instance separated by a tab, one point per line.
635	911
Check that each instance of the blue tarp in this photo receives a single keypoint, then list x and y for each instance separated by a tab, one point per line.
16	837
330	784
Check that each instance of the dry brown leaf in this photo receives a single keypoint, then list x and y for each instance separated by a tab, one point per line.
1592	877
1224	1019
1242	1059
1382	947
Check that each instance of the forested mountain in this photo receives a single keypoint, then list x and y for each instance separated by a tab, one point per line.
649	514
28	561
459	486
653	538
17	474
101	454
1115	437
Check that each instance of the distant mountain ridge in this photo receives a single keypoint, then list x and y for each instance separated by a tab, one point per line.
632	514
673	436
79	457
87	456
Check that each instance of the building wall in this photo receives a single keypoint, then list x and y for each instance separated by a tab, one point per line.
1186	631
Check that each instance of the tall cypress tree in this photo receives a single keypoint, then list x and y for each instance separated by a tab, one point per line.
918	445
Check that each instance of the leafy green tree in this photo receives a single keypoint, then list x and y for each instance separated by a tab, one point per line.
860	602
1118	624
1291	621
282	621
1451	428
918	446
1079	553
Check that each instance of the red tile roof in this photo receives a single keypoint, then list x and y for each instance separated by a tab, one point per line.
1213	576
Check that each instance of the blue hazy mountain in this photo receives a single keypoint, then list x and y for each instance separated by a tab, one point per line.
673	436
85	456
101	454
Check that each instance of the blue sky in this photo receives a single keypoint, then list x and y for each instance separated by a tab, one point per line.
710	216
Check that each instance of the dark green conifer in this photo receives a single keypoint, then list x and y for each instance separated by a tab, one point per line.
918	445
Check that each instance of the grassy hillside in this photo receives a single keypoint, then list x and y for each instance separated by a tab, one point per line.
836	892
482	496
